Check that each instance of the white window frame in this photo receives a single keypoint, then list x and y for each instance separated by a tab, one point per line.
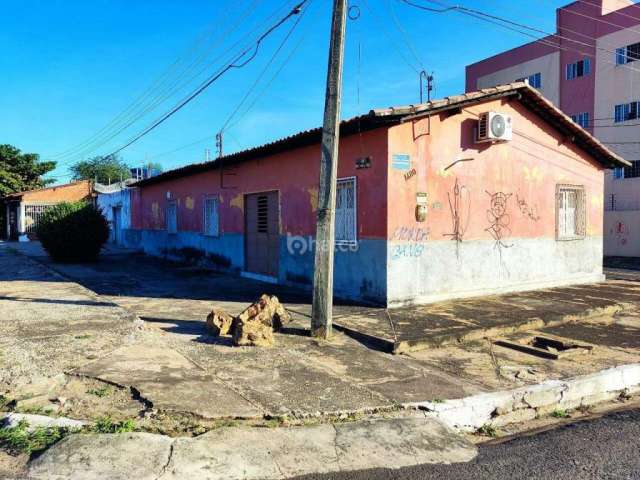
353	241
578	216
205	221
172	229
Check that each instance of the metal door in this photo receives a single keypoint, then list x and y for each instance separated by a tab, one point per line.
13	221
262	233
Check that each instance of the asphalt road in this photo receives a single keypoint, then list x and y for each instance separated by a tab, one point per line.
604	448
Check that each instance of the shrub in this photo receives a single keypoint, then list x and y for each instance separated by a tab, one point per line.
73	232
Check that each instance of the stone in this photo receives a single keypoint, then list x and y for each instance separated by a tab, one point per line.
255	326
219	322
267	310
252	333
12	420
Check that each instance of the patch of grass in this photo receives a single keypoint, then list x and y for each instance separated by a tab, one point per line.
560	414
32	410
108	425
83	337
20	439
100	392
437	400
488	430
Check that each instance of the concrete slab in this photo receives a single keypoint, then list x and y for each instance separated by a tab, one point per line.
446	323
170	382
142	456
256	453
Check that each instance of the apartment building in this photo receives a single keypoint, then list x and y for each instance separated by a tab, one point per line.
590	68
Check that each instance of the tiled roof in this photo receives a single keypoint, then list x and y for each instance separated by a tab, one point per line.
527	95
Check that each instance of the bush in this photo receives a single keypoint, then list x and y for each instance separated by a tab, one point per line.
73	232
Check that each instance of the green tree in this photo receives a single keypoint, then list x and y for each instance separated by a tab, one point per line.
104	170
22	171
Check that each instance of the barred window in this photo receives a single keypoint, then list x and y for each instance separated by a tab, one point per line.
211	217
570	212
172	217
346	213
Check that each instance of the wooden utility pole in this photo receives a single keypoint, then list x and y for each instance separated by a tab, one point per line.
321	313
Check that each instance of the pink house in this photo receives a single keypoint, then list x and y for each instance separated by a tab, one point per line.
589	68
425	210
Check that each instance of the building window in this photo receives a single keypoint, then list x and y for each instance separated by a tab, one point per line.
618	173
628	54
571	212
626	111
581	119
534	80
580	68
633	171
346	212
172	217
211	218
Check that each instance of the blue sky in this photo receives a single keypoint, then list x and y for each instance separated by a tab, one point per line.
68	68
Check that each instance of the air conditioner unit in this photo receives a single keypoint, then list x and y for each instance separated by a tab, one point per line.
494	127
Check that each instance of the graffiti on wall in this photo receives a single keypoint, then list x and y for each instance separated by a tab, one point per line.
460	208
621	232
531	212
414	236
499	221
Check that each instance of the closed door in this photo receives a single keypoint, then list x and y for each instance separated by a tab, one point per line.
262	233
117	225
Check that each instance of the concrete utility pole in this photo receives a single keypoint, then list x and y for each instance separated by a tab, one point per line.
322	310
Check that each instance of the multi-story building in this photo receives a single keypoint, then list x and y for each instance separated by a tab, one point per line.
590	68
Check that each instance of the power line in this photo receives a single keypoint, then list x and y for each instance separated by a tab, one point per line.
162	82
263	72
169	91
295	11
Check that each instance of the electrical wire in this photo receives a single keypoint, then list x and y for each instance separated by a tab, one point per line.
169	91
162	81
234	64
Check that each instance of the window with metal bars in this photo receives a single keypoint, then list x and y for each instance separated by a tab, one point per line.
346	212
172	217
211	224
570	212
263	214
633	171
32	216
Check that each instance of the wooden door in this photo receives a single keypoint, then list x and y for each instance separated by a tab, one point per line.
262	233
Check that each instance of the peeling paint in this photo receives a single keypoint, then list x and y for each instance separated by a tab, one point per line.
237	202
313	198
534	174
189	203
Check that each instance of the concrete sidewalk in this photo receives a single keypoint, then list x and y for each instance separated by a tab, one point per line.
74	334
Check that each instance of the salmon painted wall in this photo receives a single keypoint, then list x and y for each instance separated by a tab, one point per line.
295	174
503	197
71	192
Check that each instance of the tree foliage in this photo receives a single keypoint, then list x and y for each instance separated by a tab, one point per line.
22	171
104	170
73	232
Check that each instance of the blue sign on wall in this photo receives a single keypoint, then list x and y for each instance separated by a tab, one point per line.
401	161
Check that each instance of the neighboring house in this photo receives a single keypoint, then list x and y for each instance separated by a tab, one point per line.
424	211
590	69
114	202
23	209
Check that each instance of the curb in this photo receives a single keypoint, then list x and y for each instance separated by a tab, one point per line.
502	408
254	453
